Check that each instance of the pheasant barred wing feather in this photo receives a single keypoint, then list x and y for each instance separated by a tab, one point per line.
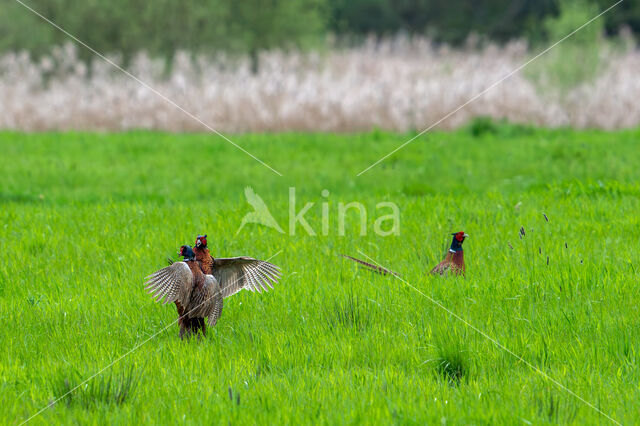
216	309
237	273
173	283
213	293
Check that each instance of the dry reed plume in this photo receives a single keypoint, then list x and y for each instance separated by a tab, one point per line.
396	85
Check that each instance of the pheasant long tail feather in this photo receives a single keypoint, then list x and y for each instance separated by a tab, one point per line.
372	267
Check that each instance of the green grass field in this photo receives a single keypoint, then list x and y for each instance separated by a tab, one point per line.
84	217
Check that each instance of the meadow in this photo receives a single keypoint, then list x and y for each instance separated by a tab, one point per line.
84	217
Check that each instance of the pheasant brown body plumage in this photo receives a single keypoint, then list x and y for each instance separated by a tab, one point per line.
453	262
202	254
454	259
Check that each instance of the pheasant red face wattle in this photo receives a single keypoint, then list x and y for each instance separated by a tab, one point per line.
460	236
201	241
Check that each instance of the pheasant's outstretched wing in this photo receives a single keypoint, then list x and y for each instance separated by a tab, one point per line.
207	303
216	309
371	267
173	283
237	273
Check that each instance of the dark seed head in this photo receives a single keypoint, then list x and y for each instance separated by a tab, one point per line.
540	250
547	260
230	394
522	231
545	217
565	245
510	246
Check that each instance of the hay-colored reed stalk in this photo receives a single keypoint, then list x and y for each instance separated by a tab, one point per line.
396	85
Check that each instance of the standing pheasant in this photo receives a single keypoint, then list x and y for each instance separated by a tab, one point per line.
454	259
198	295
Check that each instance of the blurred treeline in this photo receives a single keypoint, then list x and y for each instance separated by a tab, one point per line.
161	27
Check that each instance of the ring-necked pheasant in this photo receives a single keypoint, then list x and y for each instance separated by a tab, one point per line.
453	261
199	294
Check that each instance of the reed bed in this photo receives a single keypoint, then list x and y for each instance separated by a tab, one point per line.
398	85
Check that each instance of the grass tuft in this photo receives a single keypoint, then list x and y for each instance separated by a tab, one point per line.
452	365
350	313
109	388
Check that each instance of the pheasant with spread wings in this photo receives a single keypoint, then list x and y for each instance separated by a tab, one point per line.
231	271
200	287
